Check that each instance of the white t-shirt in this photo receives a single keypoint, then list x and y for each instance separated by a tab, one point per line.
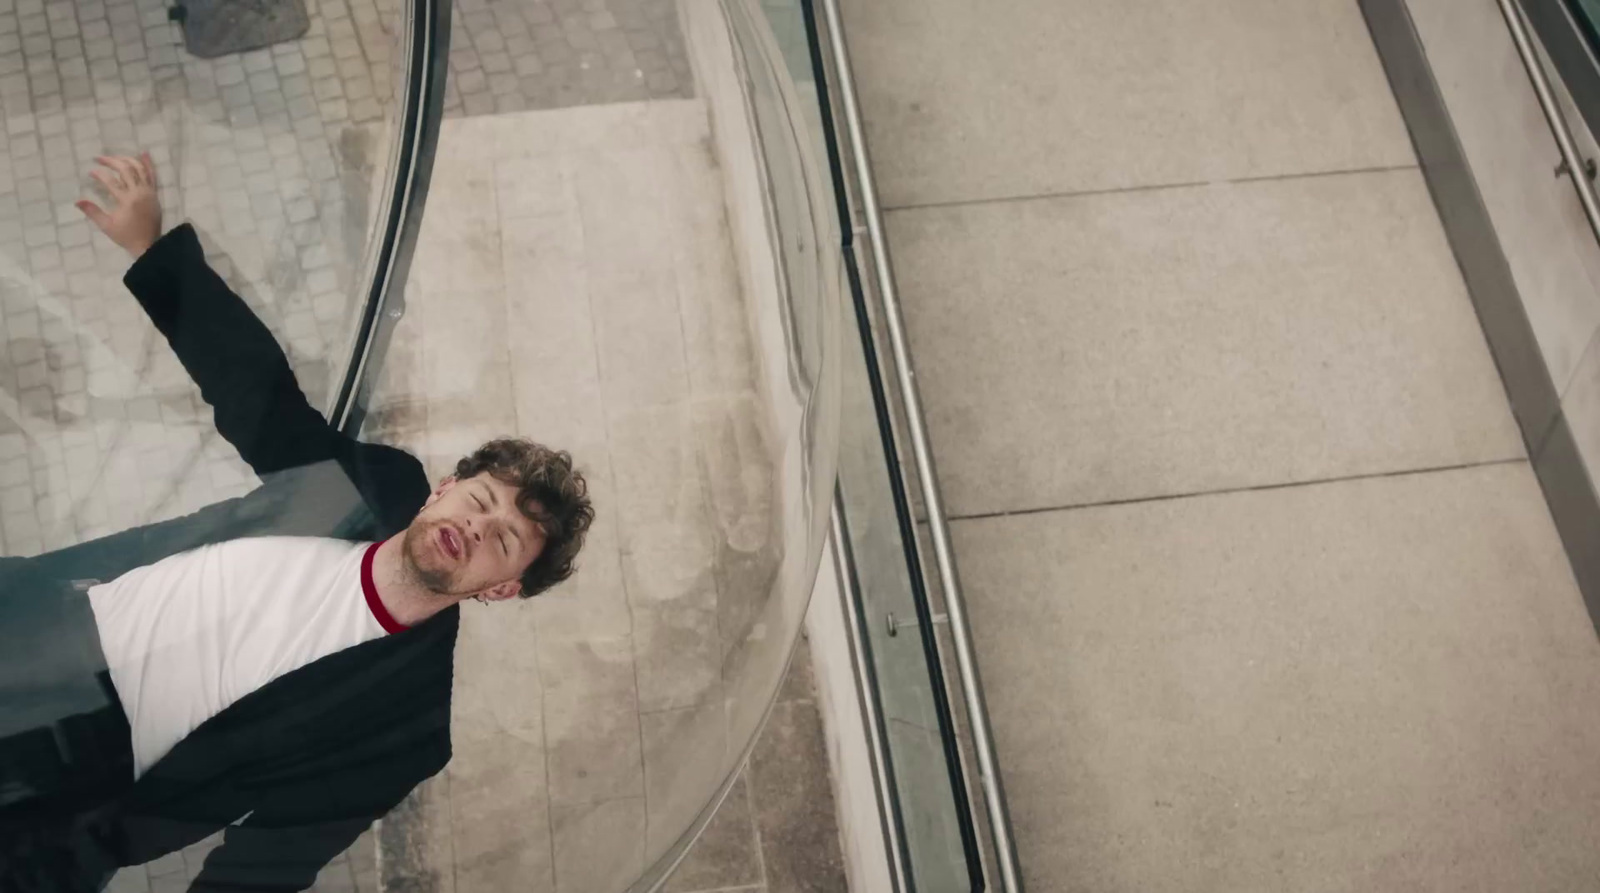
189	635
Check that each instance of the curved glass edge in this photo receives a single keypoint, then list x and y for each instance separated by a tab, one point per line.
391	248
801	230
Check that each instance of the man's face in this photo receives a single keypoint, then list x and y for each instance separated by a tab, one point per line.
471	539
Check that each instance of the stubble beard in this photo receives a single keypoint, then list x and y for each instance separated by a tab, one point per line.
416	544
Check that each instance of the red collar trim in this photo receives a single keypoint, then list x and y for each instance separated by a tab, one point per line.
370	590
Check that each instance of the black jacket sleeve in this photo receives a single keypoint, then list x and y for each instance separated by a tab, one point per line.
246	379
240	368
298	826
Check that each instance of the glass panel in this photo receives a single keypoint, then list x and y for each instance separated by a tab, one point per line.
606	266
1587	12
279	157
787	21
276	157
929	811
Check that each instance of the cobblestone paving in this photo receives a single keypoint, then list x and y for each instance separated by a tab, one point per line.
517	55
268	153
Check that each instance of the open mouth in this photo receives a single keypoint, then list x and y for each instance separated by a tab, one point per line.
450	541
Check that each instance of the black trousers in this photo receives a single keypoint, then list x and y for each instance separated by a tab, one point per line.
65	747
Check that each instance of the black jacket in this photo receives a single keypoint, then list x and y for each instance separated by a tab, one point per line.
314	756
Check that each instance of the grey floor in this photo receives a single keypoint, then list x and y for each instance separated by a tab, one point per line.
1265	594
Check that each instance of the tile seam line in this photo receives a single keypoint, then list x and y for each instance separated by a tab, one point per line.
1151	187
1227	491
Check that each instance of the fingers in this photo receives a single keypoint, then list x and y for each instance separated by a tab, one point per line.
132	173
149	168
128	170
92	211
111	181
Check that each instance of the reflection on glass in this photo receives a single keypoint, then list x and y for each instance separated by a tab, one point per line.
1587	14
272	155
929	812
112	457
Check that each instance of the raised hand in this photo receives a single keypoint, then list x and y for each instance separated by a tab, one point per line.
134	221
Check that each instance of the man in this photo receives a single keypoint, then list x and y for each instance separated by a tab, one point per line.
283	671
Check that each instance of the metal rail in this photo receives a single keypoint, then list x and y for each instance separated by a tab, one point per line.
944	555
1576	169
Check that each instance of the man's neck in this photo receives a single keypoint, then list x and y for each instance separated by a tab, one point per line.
406	600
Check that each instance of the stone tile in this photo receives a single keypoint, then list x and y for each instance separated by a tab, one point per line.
498	814
799	683
591	720
515	866
726	853
497	675
548	315
529	187
678	652
688	753
670	566
792	799
716	331
598	846
593	604
1364	683
661	498
1174	341
736	463
1168	92
621	197
746	584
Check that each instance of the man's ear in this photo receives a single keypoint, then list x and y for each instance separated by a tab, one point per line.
443	488
503	591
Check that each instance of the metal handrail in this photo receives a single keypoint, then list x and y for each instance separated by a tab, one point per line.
1517	24
944	554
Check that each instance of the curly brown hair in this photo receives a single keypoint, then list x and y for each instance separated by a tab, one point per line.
550	491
